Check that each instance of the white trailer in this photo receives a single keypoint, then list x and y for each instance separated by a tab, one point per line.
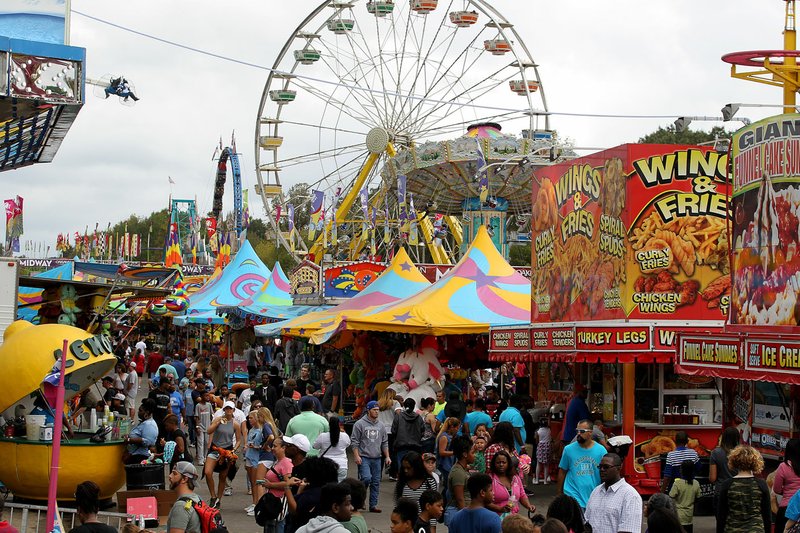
9	287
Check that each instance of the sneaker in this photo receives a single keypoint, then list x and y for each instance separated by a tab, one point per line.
250	507
536	481
250	491
251	512
392	478
546	482
228	491
214	502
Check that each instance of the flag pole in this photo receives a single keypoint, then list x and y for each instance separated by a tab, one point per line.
58	424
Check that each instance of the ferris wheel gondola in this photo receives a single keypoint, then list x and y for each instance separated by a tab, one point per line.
359	82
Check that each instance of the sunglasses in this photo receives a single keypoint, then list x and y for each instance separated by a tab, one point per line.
579	430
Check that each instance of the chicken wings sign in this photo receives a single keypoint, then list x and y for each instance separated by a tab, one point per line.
637	231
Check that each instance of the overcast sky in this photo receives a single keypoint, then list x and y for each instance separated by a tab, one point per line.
623	57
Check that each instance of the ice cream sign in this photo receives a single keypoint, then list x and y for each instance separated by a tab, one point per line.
773	355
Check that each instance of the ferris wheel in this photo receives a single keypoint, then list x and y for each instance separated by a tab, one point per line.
360	81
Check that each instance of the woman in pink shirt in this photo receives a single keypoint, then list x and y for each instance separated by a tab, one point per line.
278	480
787	480
509	492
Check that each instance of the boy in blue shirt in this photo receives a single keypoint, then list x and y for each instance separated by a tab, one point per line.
477	518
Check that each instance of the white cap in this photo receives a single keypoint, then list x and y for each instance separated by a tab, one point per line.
299	440
229	404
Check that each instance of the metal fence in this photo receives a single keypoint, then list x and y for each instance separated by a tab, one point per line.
32	518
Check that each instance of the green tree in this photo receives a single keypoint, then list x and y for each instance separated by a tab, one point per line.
669	135
519	255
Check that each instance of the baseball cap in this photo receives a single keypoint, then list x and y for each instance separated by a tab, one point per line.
306	402
229	404
428	457
372	405
185	468
301	441
119	396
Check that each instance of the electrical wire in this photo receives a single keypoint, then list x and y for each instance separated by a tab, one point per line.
364	89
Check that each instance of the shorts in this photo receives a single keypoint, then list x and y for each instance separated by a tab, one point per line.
250	464
130	403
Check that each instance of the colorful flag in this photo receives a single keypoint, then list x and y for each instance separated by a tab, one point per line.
211	232
401	203
317	200
13	209
224	256
246	210
334	227
413	234
365	213
290	215
483	173
173	252
387	236
372	247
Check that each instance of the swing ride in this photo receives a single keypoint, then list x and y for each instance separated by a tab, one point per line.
403	104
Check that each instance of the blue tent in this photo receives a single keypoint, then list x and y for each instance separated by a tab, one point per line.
27	295
240	280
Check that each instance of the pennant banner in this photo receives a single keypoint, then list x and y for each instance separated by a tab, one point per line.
413	234
290	215
401	202
483	175
317	199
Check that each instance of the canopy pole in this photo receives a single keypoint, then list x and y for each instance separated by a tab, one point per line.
628	408
58	425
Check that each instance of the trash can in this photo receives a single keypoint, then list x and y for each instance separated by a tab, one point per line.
145	477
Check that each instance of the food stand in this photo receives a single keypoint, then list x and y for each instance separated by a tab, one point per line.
27	357
759	363
630	248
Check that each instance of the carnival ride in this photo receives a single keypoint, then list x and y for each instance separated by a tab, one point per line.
388	83
183	232
115	85
229	154
778	68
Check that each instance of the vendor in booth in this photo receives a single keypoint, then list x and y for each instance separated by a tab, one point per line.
41	407
143	436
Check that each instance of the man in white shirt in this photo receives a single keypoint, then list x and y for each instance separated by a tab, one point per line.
246	396
131	386
614	506
141	347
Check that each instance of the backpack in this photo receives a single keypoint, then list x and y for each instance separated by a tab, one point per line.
269	506
210	517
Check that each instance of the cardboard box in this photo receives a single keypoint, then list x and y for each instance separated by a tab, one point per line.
164	498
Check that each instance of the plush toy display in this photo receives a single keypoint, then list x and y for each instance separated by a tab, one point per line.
69	309
418	370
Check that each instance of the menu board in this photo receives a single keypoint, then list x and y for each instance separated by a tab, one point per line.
637	231
766	207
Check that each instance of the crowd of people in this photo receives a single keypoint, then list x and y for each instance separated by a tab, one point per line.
469	461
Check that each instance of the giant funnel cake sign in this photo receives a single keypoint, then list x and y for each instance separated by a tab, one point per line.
766	207
637	231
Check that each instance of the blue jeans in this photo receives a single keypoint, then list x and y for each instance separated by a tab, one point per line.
369	473
273	526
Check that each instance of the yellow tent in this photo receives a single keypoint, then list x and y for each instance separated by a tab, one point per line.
482	290
400	280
